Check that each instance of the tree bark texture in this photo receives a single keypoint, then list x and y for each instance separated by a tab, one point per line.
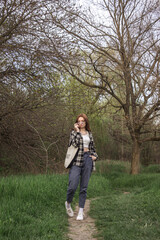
135	164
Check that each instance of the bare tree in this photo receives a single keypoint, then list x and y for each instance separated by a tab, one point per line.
24	59
116	48
28	79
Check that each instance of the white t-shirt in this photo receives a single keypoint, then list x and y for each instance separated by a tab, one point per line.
86	140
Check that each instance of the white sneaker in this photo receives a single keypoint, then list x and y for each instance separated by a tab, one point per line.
80	216
69	210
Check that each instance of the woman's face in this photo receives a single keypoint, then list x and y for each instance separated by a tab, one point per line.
81	122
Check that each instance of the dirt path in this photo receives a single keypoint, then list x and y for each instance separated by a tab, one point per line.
82	230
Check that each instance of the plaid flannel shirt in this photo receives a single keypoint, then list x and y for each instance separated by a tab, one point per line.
76	140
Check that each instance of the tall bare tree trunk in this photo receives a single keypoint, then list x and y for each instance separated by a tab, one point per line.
135	164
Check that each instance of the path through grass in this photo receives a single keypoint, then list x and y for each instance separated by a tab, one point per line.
128	207
32	207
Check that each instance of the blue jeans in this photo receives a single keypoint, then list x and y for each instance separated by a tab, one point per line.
83	174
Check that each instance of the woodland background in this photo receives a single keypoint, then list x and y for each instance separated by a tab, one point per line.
41	93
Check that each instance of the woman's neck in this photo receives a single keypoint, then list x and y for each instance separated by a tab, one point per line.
83	130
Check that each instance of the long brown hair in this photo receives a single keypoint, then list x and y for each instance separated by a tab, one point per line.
87	127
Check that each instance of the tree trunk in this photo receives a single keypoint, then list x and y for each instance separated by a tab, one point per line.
135	164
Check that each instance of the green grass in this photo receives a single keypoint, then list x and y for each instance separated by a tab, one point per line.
112	167
131	210
153	168
32	207
128	216
128	207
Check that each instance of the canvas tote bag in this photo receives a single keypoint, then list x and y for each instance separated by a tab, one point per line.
71	152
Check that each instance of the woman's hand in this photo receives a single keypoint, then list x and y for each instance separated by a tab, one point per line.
76	127
93	157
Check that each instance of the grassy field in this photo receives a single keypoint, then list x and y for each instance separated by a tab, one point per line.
131	210
32	207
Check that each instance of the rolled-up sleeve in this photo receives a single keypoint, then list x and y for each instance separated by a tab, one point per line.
74	139
93	151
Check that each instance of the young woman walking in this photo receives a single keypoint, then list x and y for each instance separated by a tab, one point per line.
83	164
